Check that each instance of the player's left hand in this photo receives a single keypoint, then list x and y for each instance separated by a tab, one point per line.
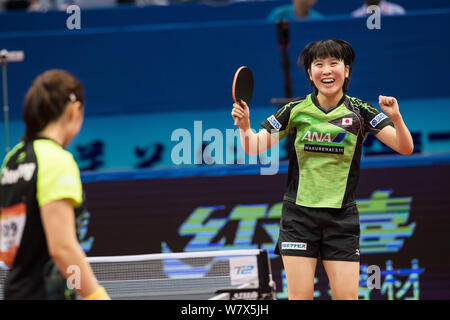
389	106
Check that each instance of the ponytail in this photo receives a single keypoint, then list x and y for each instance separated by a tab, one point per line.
47	99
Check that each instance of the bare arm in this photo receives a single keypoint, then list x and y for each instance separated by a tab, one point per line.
252	143
58	220
398	138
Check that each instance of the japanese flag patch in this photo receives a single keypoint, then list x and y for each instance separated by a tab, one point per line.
347	121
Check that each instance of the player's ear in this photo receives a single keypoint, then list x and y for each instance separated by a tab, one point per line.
347	71
309	74
74	110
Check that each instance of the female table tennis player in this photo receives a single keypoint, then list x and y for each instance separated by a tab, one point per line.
40	194
319	215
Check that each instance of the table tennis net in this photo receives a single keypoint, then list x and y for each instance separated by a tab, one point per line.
184	276
3	274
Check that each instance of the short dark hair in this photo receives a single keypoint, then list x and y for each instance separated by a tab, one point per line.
47	99
335	48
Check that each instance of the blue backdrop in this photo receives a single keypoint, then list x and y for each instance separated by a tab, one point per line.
153	68
149	71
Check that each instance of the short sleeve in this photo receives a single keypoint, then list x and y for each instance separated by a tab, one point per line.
58	176
374	119
278	123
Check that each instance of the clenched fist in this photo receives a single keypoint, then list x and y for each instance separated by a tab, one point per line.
389	106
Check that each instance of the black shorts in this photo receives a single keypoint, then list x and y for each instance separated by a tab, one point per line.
325	233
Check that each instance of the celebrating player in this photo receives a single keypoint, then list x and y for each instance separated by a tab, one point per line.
320	218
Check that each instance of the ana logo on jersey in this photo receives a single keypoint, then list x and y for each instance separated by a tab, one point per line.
323	137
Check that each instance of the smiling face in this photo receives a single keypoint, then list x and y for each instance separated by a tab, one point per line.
328	75
328	65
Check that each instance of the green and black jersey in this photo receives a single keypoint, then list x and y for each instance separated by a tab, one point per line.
33	174
324	169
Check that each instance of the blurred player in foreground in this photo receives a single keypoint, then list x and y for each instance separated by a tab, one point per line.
41	195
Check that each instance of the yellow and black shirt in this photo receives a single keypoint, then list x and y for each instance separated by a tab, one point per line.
324	169
33	174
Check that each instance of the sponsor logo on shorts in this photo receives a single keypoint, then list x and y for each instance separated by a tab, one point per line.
379	117
274	122
293	246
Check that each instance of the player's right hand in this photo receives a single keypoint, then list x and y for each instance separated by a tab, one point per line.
241	112
99	294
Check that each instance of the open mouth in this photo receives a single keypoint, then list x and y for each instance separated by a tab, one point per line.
328	81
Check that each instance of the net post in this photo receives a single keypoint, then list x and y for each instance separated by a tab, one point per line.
266	283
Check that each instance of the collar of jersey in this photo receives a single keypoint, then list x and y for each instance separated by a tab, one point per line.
316	103
45	138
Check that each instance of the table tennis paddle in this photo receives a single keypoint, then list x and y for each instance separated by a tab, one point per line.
242	88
